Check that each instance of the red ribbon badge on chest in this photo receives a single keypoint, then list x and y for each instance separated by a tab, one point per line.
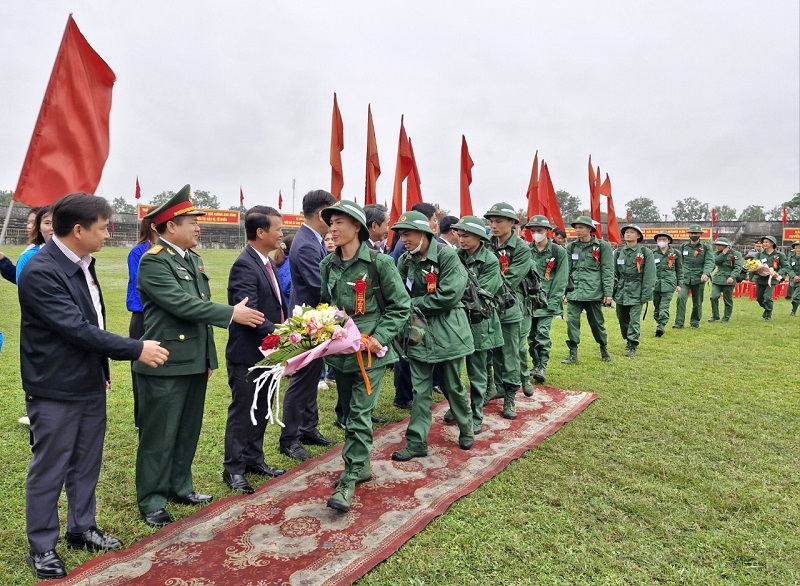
550	264
360	287
430	279
503	258
775	262
670	261
639	261
733	260
596	253
696	252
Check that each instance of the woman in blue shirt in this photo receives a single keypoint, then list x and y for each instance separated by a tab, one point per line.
42	232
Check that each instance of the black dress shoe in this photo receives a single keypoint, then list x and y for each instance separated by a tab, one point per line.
193	498
315	438
295	451
404	406
237	482
378	419
157	518
92	539
263	470
340	424
46	565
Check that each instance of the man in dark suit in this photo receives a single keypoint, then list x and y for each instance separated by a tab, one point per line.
64	352
300	415
378	226
254	276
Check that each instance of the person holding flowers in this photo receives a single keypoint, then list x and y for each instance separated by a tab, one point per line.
634	280
669	279
729	265
775	260
366	285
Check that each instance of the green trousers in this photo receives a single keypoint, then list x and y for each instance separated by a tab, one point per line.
594	315
505	362
357	408
170	418
764	298
478	373
539	341
661	303
697	304
454	392
796	297
727	298
630	322
524	332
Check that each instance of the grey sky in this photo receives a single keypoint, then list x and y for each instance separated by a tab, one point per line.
673	99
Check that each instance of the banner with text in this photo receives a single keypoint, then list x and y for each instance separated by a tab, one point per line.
211	217
792	234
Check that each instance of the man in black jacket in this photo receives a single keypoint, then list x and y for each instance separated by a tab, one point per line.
64	352
254	276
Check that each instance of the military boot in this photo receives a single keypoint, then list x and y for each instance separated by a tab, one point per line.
604	354
509	412
364	476
572	358
343	496
538	375
631	351
527	387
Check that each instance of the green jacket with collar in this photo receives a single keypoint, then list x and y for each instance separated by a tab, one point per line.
775	260
593	277
555	283
634	283
793	262
668	277
519	263
487	334
727	265
698	260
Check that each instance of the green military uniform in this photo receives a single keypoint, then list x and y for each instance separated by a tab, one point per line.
552	264
381	319
178	312
634	280
698	260
764	286
487	334
591	267
515	262
437	281
727	267
793	260
669	276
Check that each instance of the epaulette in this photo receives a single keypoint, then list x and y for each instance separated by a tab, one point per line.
193	251
155	249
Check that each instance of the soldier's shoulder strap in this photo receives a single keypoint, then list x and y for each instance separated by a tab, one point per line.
154	249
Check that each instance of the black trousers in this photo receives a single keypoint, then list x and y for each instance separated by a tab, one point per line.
300	415
244	442
136	331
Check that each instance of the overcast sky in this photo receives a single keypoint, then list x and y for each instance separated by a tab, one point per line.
672	99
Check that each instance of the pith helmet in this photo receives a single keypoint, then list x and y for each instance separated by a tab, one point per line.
413	220
348	208
722	242
771	239
473	225
695	229
633	227
586	221
539	221
665	234
502	210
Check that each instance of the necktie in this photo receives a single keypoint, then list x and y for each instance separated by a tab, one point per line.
275	287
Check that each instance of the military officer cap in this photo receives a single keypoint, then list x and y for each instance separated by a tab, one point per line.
502	210
348	208
695	229
665	235
633	227
722	242
413	220
178	205
586	221
539	221
473	225
771	239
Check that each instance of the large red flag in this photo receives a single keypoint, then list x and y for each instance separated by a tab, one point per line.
280	200
533	194
553	209
138	194
403	167
373	164
594	198
70	141
414	183
784	216
713	216
543	194
466	178
613	227
337	146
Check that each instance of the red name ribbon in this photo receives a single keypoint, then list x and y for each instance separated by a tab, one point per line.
696	252
550	264
596	254
430	279
670	260
639	260
503	258
733	260
775	262
361	296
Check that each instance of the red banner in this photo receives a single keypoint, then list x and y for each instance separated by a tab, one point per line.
211	217
792	234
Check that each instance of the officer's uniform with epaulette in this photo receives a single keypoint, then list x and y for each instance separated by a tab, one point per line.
179	313
669	276
698	262
515	262
591	267
776	260
634	280
436	280
728	265
793	260
369	289
552	264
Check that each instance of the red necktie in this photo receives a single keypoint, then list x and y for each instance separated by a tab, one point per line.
275	286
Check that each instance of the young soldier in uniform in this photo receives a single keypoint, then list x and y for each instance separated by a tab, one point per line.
794	275
698	262
776	260
669	279
591	267
486	334
635	277
514	255
729	265
550	261
437	281
351	277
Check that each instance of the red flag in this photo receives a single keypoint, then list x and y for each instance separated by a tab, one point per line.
241	197
138	189
716	234
403	167
337	146
466	178
533	194
594	198
280	200
413	185
784	216
628	216
542	192
70	141
553	209
373	164
613	227
713	216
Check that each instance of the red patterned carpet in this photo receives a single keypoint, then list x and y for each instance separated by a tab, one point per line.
285	535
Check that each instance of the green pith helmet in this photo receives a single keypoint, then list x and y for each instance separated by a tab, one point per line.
586	221
502	210
695	229
473	225
178	205
771	239
722	242
413	220
538	221
665	234
797	243
633	227
348	208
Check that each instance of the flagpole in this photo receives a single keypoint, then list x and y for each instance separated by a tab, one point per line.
5	222
293	181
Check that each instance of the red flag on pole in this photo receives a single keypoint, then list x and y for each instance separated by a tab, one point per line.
716	234
784	216
280	200
594	198
613	227
466	178
413	185
713	216
553	209
373	164
241	197
337	146
401	171
533	194
138	194
70	142
628	216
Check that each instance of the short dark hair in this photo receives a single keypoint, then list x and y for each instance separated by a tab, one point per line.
375	214
315	200
559	232
79	208
258	217
428	209
36	237
446	224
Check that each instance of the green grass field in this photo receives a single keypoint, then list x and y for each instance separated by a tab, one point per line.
684	471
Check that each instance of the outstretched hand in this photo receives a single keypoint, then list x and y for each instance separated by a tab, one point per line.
153	354
245	316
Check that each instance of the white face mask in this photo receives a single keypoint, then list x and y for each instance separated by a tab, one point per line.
419	246
663	243
539	237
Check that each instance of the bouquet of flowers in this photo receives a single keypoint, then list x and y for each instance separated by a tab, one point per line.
761	269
